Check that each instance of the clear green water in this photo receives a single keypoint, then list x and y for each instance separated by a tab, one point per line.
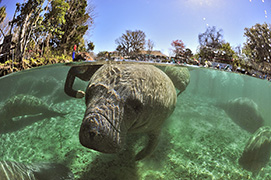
198	141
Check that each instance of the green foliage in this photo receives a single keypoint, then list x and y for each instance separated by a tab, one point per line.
28	10
206	53
188	53
258	43
213	47
227	52
90	46
49	29
102	54
55	17
76	25
210	41
81	45
3	13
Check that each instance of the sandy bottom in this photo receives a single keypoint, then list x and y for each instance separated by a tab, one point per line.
199	141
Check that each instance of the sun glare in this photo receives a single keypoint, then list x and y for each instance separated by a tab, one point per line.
203	3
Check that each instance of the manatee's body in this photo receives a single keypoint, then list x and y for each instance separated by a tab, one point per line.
244	112
10	170
123	99
25	105
257	152
21	105
180	77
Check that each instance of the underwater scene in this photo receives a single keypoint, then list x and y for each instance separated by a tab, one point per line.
169	122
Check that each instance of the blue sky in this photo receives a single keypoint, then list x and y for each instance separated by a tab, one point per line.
166	20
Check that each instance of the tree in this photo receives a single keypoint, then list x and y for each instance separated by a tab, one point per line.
91	46
78	20
258	42
59	25
211	38
7	35
64	24
210	41
121	50
3	13
4	27
188	53
132	42
150	45
53	21
178	48
227	52
103	55
26	21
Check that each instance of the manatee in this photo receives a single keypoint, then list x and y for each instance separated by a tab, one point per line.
244	112
10	170
180	77
257	151
122	99
24	109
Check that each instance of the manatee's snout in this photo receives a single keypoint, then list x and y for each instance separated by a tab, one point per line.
98	133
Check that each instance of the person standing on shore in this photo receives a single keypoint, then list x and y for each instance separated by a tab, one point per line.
73	53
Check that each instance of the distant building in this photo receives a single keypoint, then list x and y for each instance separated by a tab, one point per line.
154	53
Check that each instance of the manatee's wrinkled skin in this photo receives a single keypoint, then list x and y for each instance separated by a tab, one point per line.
10	170
180	77
244	112
257	152
123	99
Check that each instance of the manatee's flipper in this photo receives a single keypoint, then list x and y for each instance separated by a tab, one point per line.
152	143
53	112
179	93
82	72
